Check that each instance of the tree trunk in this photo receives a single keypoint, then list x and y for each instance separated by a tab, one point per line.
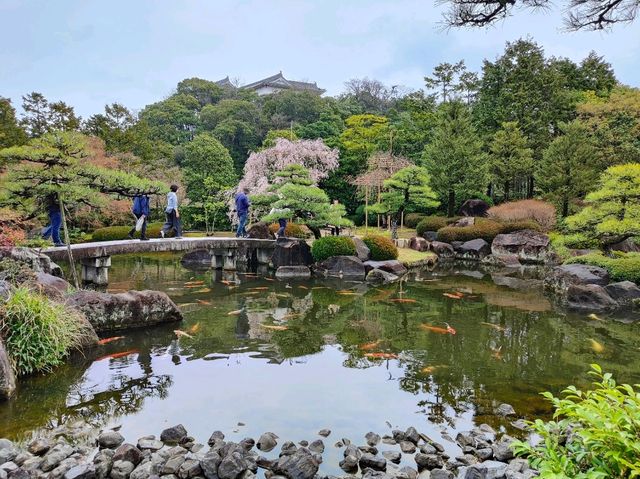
565	207
506	190
530	188
452	203
316	231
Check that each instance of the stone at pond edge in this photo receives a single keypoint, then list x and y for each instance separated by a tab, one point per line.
624	292
259	230
173	435
374	462
589	297
267	441
293	272
128	452
133	309
418	244
443	250
51	286
38	262
299	465
362	250
7	378
110	439
121	469
474	250
529	246
390	266
343	267
505	410
378	276
626	246
82	471
485	470
563	276
291	252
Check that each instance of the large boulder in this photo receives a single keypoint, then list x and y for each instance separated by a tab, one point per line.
626	293
474	208
133	309
362	250
5	289
51	286
474	250
293	272
291	252
443	250
571	274
259	230
378	276
37	262
343	267
390	266
302	464
589	297
419	244
528	245
7	378
626	246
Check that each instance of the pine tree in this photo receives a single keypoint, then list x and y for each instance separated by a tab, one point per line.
510	158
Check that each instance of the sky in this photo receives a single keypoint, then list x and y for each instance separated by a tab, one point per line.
89	53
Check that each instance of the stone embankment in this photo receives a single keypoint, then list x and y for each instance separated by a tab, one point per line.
176	455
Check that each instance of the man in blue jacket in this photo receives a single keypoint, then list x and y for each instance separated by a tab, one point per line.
140	209
242	208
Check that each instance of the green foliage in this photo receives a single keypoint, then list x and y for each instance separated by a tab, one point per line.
364	134
41	116
38	332
431	223
111	233
593	434
293	230
613	211
273	135
206	160
10	132
204	91
519	225
381	247
411	220
290	106
622	267
407	189
172	120
327	246
483	228
114	127
510	159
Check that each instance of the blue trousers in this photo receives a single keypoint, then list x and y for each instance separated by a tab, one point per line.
53	230
242	222
283	226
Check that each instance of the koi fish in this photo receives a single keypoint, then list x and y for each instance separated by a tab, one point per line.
249	293
268	279
192	286
347	293
494	326
369	346
596	346
274	327
208	303
204	290
234	313
195	328
282	295
381	356
595	317
192	283
403	300
437	329
260	288
302	287
428	369
320	287
453	295
224	281
496	353
118	355
450	330
181	334
104	341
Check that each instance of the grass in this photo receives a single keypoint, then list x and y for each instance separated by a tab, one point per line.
361	231
408	256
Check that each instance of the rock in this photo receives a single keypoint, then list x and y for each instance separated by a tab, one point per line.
377	276
567	274
259	230
464	221
7	377
103	463
474	208
39	446
626	246
9	466
430	235
589	297
501	261
317	446
143	471
505	410
128	452
527	245
441	474
133	309
349	464
267	441
486	470
293	272
467	459
368	449
392	456
443	250
390	266
349	268
428	461
419	244
362	250
288	448
110	439
426	474
55	456
407	447
171	466
291	252
326	433
372	438
189	468
398	435
37	262
173	435
428	449
149	443
5	289
299	465
209	464
411	434
247	443
82	471
51	286
216	436
626	293
371	474
502	450
484	453
20	474
352	450
474	250
121	469
373	462
410	472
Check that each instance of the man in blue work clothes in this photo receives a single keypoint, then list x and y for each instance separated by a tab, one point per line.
242	209
140	209
52	204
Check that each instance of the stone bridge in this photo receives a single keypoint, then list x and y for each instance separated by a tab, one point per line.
219	253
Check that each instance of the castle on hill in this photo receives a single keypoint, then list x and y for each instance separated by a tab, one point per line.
274	84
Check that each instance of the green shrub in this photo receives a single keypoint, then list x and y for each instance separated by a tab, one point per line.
38	332
293	230
511	226
622	267
328	246
381	248
431	223
411	220
593	434
483	228
112	233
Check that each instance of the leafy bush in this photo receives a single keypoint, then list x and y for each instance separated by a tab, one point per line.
112	233
411	220
432	223
594	433
293	230
541	212
483	228
381	248
511	226
622	267
328	246
38	332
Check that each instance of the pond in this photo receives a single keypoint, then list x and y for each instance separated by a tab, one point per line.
293	358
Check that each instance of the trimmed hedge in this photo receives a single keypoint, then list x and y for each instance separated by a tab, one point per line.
483	228
112	233
622	267
381	248
411	220
293	230
433	223
328	246
511	226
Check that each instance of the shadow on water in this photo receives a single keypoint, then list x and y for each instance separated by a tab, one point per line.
295	357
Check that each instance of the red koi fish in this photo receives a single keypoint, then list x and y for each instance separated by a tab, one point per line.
381	356
403	300
118	355
104	341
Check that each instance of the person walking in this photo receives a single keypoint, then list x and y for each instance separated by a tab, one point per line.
140	210
172	214
242	209
282	222
52	204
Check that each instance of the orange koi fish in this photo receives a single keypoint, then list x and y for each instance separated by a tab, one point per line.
381	356
228	283
496	353
234	313
302	287
452	295
104	341
450	330
268	279
347	293
195	328
192	283
181	334
201	301
204	290
274	327
118	355
403	300
437	329
259	288
369	346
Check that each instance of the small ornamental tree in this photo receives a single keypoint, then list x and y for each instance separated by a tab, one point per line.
613	211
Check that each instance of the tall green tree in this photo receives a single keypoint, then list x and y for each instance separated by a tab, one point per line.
10	132
173	120
510	159
444	79
204	91
41	116
114	127
289	108
568	168
454	158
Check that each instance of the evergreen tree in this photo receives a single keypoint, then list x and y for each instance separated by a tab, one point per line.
42	117
10	132
510	159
